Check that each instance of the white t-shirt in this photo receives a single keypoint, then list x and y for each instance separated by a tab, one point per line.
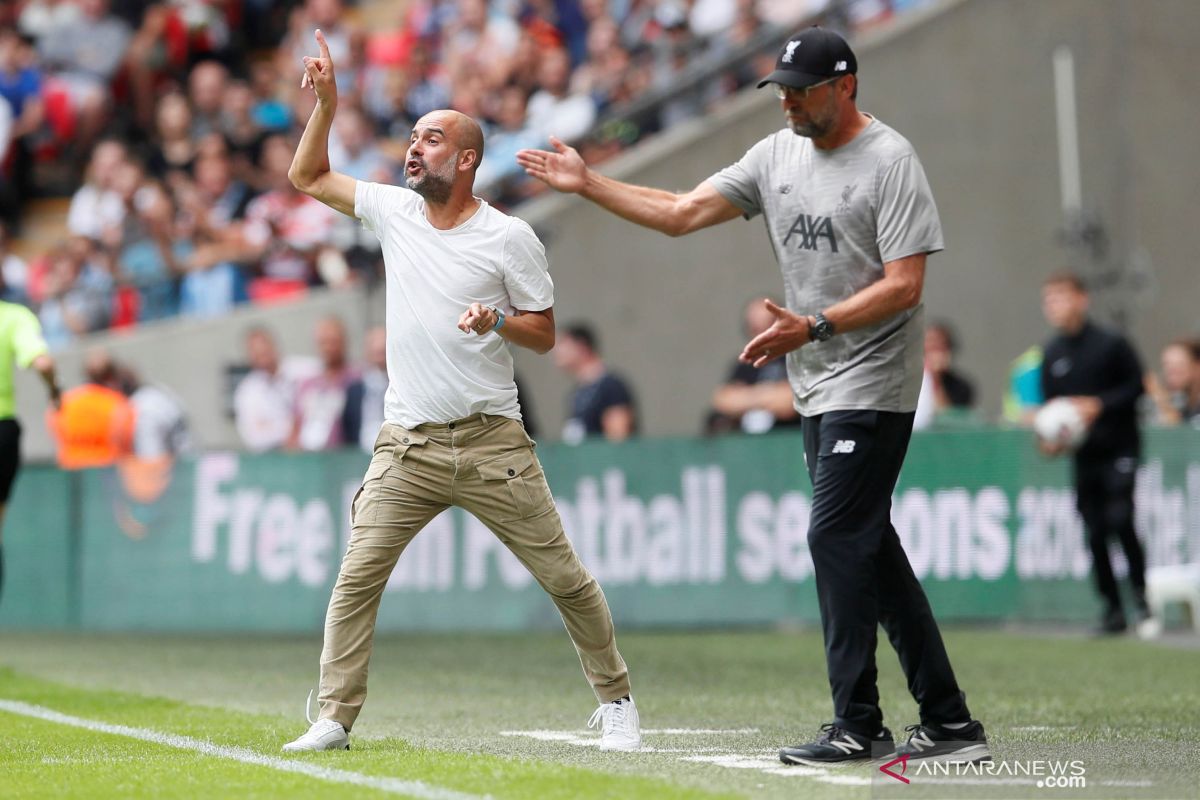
436	372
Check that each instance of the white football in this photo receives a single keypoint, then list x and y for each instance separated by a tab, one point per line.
1060	422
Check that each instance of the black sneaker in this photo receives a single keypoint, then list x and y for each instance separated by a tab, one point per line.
837	745
1112	623
962	745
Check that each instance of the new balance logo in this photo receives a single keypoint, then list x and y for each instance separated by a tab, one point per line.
790	53
810	229
846	744
921	740
843	446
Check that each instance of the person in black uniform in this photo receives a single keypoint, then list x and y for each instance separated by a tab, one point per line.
1100	372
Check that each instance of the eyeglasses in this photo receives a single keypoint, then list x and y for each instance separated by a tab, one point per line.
782	91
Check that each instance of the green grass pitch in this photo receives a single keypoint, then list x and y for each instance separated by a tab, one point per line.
503	716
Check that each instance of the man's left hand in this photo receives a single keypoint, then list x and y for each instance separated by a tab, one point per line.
787	333
1089	408
478	318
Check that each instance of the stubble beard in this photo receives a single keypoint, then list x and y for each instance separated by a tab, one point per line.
435	184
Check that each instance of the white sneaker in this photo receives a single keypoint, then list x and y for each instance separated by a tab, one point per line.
325	734
620	728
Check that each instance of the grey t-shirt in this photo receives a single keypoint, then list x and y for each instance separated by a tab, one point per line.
834	219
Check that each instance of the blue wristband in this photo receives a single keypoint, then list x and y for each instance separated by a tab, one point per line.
499	318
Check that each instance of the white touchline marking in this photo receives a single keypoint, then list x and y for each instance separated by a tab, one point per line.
698	731
418	789
1040	728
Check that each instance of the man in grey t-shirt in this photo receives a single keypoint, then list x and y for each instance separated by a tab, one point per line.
851	219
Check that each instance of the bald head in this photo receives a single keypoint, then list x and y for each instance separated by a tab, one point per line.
459	128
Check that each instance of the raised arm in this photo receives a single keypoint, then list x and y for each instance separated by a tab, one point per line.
663	211
310	171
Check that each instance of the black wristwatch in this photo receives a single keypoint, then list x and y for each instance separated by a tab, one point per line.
821	329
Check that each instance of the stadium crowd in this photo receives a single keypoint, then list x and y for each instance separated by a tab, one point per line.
172	124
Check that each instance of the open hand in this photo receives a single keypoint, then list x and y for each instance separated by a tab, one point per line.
563	170
318	73
788	332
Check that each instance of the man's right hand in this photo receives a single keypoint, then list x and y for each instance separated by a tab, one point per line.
318	73
563	170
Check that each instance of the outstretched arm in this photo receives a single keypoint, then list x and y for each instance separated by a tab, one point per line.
666	212
310	171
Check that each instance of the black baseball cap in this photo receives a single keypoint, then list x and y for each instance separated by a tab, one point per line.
811	56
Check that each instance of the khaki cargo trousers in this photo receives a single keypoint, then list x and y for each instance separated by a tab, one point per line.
486	465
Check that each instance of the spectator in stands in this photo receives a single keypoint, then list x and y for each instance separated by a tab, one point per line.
603	74
353	150
78	294
362	416
207	83
160	426
479	43
553	110
945	393
321	399
287	228
39	18
239	125
265	399
510	135
94	424
96	205
1177	396
341	36
174	149
84	55
601	403
152	251
213	281
754	399
21	85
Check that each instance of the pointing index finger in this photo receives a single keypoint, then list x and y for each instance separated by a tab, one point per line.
322	43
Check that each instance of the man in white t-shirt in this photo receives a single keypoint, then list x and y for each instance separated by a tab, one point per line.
464	281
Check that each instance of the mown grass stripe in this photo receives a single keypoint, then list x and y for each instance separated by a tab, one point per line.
417	789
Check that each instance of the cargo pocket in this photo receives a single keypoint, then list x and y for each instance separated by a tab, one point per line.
375	472
408	445
517	484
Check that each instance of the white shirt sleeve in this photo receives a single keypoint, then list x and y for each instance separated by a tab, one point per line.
526	272
374	201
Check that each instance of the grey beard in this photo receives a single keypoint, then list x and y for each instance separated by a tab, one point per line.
809	131
435	187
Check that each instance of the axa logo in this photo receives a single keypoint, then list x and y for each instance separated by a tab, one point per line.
810	229
843	446
790	52
902	761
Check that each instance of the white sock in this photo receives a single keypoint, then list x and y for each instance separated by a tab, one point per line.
954	726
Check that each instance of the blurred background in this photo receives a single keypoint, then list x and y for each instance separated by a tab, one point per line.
148	221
